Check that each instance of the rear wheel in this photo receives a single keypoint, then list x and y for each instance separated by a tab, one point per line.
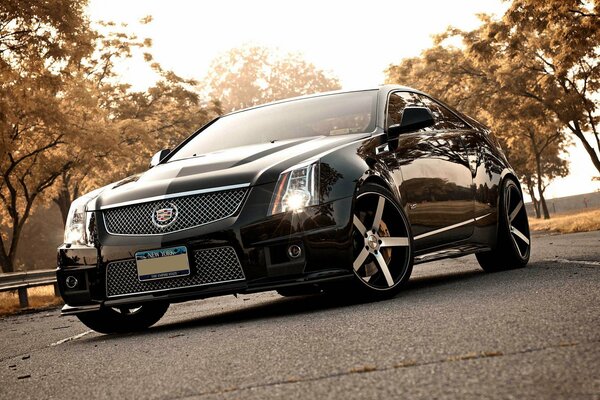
124	319
382	243
513	242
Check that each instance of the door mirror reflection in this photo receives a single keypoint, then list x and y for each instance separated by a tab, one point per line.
413	119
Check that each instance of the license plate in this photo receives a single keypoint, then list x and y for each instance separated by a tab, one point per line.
162	263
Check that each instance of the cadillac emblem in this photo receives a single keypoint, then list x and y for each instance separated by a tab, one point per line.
164	215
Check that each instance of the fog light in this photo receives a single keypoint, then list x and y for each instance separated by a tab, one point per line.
71	282
294	251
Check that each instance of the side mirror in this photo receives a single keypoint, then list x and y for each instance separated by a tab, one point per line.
158	157
413	119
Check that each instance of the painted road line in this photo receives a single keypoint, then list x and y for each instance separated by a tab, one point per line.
71	338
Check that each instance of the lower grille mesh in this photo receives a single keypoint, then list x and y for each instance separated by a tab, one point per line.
219	264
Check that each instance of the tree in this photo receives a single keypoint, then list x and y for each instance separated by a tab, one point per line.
538	162
67	124
37	42
548	52
119	129
530	134
34	32
160	117
249	76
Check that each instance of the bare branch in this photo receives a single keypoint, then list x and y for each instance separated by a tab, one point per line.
584	14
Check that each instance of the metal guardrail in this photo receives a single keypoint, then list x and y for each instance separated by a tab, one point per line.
20	281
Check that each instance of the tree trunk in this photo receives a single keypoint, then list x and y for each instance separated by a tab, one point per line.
534	200
5	262
588	147
544	206
64	198
541	192
538	168
9	256
536	207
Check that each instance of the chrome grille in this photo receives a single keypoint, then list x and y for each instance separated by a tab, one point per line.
216	265
191	211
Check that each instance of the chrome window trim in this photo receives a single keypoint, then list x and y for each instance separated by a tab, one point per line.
392	92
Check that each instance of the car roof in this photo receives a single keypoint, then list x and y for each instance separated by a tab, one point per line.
382	88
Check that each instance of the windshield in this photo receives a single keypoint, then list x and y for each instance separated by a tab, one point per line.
335	114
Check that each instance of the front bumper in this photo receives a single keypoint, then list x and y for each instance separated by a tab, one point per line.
260	244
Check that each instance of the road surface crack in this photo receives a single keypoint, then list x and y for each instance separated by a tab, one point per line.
408	363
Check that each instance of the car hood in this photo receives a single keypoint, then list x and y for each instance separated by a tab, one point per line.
248	165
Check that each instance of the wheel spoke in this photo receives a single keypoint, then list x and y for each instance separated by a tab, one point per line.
359	225
384	268
360	259
514	213
378	213
518	234
387	241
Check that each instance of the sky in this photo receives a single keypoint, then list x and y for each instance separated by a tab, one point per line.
354	40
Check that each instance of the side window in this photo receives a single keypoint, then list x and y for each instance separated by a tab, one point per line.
396	104
444	119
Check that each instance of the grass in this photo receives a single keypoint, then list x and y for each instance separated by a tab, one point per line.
578	221
39	297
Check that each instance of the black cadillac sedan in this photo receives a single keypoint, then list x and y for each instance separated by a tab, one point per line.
337	192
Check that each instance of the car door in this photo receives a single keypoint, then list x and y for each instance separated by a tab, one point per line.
437	181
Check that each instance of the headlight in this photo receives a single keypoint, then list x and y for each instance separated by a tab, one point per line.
296	188
78	218
76	221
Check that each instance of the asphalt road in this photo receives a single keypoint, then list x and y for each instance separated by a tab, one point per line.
455	332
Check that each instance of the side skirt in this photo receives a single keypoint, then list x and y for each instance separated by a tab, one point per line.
452	252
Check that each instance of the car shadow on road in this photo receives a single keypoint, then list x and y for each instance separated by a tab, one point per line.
292	306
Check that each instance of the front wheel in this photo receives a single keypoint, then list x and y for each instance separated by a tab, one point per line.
382	242
124	319
513	242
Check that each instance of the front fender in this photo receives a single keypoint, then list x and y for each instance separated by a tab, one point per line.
344	170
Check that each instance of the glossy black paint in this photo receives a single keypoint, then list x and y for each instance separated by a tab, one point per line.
445	180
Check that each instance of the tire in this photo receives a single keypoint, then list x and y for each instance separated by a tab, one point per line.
513	243
382	243
122	320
